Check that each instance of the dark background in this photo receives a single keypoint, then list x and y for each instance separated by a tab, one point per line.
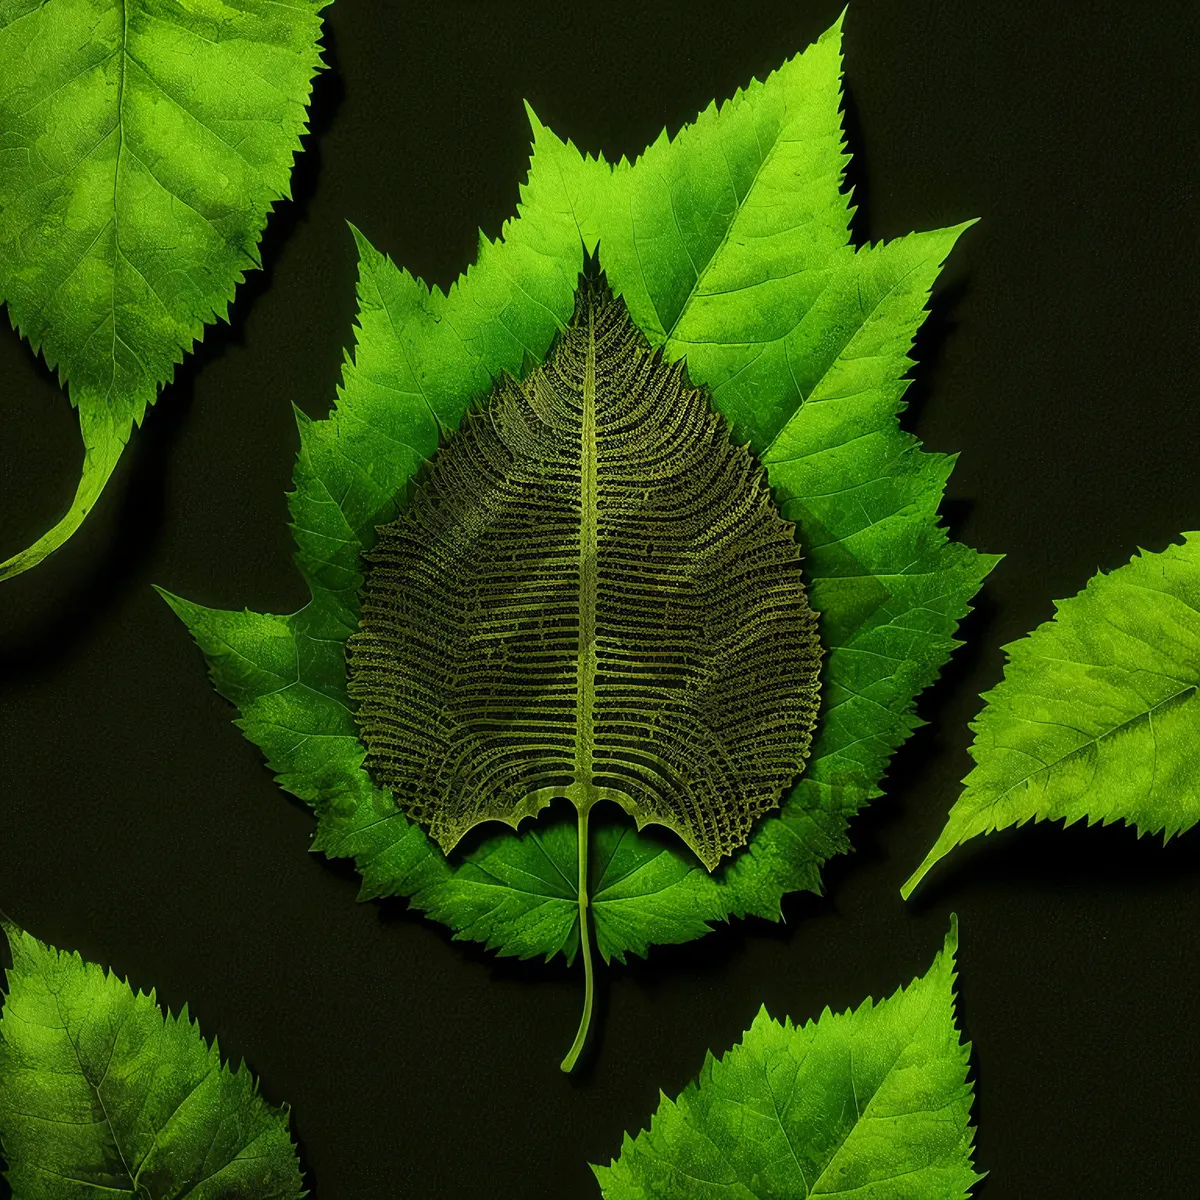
138	827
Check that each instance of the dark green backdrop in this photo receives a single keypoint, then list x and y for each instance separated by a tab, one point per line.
137	826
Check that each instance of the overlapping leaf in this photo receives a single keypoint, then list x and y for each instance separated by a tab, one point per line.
1098	714
873	1104
730	245
100	1095
142	145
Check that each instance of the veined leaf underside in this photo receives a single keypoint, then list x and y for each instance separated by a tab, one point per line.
591	595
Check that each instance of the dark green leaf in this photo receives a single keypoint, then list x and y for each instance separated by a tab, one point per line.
100	1095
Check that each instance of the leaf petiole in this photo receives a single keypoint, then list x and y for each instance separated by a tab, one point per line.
585	947
104	437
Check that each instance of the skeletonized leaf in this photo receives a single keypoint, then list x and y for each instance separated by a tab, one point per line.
872	1104
1098	714
590	596
101	1095
142	146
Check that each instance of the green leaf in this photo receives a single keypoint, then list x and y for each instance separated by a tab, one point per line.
99	1095
1098	714
872	1104
142	146
805	344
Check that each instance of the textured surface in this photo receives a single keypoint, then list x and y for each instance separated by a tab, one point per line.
1054	359
142	145
590	595
1098	715
826	374
872	1104
100	1096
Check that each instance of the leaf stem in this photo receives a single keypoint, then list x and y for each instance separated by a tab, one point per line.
585	945
104	437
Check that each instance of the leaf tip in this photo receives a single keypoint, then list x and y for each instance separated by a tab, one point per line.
911	884
12	931
946	842
366	251
535	123
179	606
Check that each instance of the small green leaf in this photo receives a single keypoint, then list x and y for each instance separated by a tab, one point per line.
102	1095
872	1104
1098	714
142	146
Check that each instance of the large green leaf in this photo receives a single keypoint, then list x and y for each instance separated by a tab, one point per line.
873	1104
1098	714
808	352
142	145
102	1096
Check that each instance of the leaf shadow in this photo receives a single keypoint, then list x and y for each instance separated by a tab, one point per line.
1052	858
59	621
856	178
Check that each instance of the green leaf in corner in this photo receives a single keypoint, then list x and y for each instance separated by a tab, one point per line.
730	246
872	1104
142	146
1098	714
100	1093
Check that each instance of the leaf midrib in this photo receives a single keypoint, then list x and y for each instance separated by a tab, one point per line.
739	207
1146	715
589	500
95	1087
112	278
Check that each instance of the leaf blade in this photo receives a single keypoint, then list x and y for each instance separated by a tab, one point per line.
890	585
145	145
555	613
1097	714
789	1111
98	1088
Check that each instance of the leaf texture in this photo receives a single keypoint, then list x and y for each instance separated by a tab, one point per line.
1098	714
143	144
101	1095
814	379
591	595
872	1104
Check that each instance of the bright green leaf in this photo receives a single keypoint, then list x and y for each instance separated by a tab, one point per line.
100	1095
872	1104
737	242
1098	714
142	146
